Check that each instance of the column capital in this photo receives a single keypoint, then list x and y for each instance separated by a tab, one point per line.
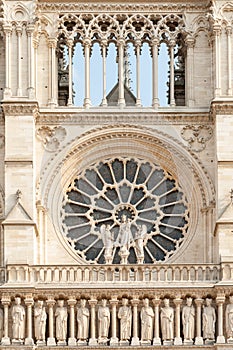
70	42
19	30
198	301
190	42
113	302
229	29
155	42
50	302
7	27
135	302
29	301
5	300
87	42
220	299
71	302
177	301
156	301
30	28
217	28
121	42
172	43
52	43
92	302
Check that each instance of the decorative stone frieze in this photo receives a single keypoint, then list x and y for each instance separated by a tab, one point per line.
51	137
18	109
197	136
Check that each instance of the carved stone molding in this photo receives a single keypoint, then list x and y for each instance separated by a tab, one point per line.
122	7
197	136
51	137
222	108
20	109
136	117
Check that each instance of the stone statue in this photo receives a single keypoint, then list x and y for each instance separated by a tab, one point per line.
188	320
139	239
18	317
83	315
40	317
208	320
107	238
61	321
147	316
125	316
229	318
103	321
167	321
1	323
125	234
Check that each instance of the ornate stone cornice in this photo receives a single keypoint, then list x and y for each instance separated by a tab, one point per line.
141	116
139	7
221	107
18	109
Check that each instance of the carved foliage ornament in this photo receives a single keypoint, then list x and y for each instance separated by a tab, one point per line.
197	136
51	137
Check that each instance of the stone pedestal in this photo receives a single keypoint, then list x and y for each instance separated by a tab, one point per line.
51	341
17	342
230	340
209	342
29	342
41	343
124	343
72	342
6	341
198	341
145	342
61	343
82	343
93	342
156	341
188	342
135	341
178	341
113	341
168	342
221	339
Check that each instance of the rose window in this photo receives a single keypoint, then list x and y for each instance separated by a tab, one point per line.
124	208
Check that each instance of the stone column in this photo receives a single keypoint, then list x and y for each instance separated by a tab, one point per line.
121	97
135	338
190	71
217	31
6	302
92	340
198	339
104	50
8	31
156	340
114	339
19	66
72	339
172	76
87	46
53	75
31	71
70	98
155	93
220	301
29	302
229	38
178	339
138	83
51	339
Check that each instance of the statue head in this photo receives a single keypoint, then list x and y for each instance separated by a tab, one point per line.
124	301
60	303
40	303
83	302
104	302
208	301
189	301
17	300
166	302
146	302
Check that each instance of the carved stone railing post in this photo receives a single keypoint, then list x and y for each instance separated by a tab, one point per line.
93	340
220	301
178	339
6	302
135	338
51	339
198	339
29	302
156	339
114	339
72	339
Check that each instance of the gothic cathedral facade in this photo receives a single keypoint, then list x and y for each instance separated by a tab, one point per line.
116	177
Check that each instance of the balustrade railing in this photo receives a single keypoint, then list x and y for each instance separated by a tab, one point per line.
188	273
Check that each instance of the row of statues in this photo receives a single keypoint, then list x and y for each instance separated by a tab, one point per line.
124	240
125	316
